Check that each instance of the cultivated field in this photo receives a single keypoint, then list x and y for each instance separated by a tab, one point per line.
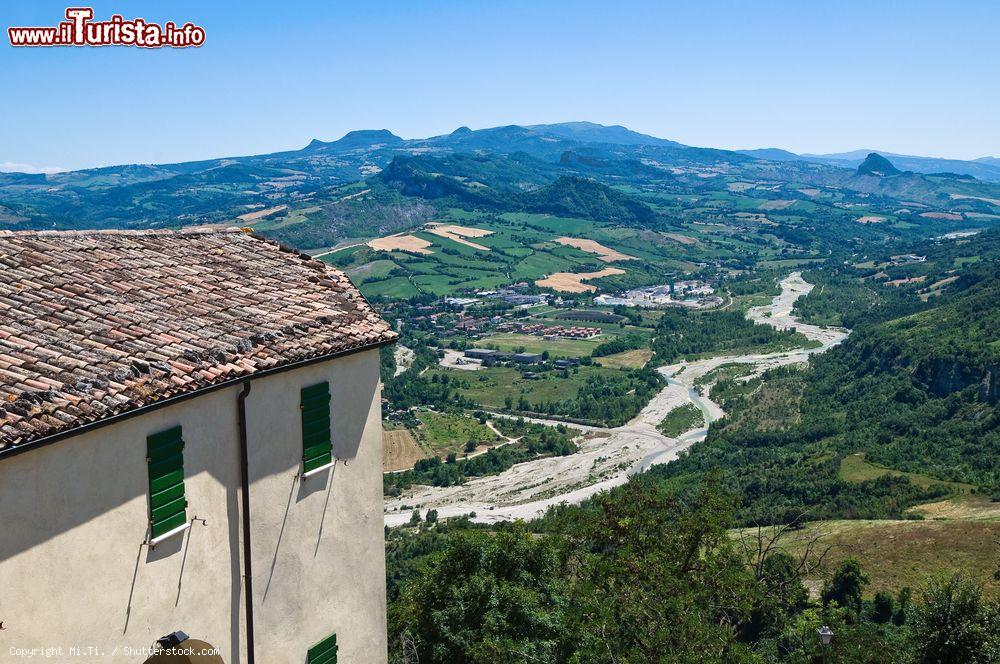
948	216
776	205
606	254
410	243
260	214
532	344
629	359
399	450
442	434
459	233
572	282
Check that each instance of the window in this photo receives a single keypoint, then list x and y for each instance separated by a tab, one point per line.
324	652
165	456
316	445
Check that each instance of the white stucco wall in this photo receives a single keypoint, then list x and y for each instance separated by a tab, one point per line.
73	518
322	535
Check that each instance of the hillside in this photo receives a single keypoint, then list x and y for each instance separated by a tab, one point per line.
587	199
877	165
915	394
318	183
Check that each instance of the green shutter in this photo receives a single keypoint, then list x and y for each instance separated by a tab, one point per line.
324	652
165	456
316	442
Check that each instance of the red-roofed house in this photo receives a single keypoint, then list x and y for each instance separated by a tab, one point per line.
190	448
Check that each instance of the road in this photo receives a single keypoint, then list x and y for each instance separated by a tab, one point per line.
608	457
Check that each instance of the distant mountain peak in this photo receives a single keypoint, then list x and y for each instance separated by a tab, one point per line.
771	154
591	132
358	138
877	165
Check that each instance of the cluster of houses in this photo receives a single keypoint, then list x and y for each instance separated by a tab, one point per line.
511	295
489	357
551	332
690	293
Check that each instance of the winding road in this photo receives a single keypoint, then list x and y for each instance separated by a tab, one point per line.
608	457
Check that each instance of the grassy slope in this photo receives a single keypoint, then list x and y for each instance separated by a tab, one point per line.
906	553
490	386
442	434
855	468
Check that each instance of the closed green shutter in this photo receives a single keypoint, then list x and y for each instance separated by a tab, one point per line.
165	456
324	652
316	442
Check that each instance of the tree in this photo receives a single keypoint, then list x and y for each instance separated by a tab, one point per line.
414	518
903	603
882	609
656	579
955	624
846	586
432	516
488	598
782	595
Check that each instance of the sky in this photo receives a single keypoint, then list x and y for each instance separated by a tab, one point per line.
906	77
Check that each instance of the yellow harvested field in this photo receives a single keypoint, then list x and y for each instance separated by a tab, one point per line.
572	282
870	219
630	359
606	254
949	216
809	192
410	243
260	214
399	450
459	233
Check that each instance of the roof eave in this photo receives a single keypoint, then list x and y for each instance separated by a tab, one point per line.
14	450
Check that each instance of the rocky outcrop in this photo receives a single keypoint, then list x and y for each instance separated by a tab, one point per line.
989	386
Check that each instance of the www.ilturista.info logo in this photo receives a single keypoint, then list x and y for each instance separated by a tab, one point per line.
80	30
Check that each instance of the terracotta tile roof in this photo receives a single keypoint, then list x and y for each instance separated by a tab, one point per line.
97	323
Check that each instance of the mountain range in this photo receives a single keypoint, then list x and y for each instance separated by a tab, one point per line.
984	168
491	168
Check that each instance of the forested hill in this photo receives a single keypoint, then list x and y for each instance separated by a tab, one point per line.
955	345
913	396
321	190
497	184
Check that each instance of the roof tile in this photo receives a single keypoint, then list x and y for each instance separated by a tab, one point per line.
97	323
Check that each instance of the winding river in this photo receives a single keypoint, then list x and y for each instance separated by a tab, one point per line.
607	457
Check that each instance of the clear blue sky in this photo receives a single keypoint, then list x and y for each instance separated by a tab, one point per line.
911	77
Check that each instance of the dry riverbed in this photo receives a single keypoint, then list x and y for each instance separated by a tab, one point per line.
607	457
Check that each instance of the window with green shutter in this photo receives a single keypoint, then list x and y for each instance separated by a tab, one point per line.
165	456
316	441
324	652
